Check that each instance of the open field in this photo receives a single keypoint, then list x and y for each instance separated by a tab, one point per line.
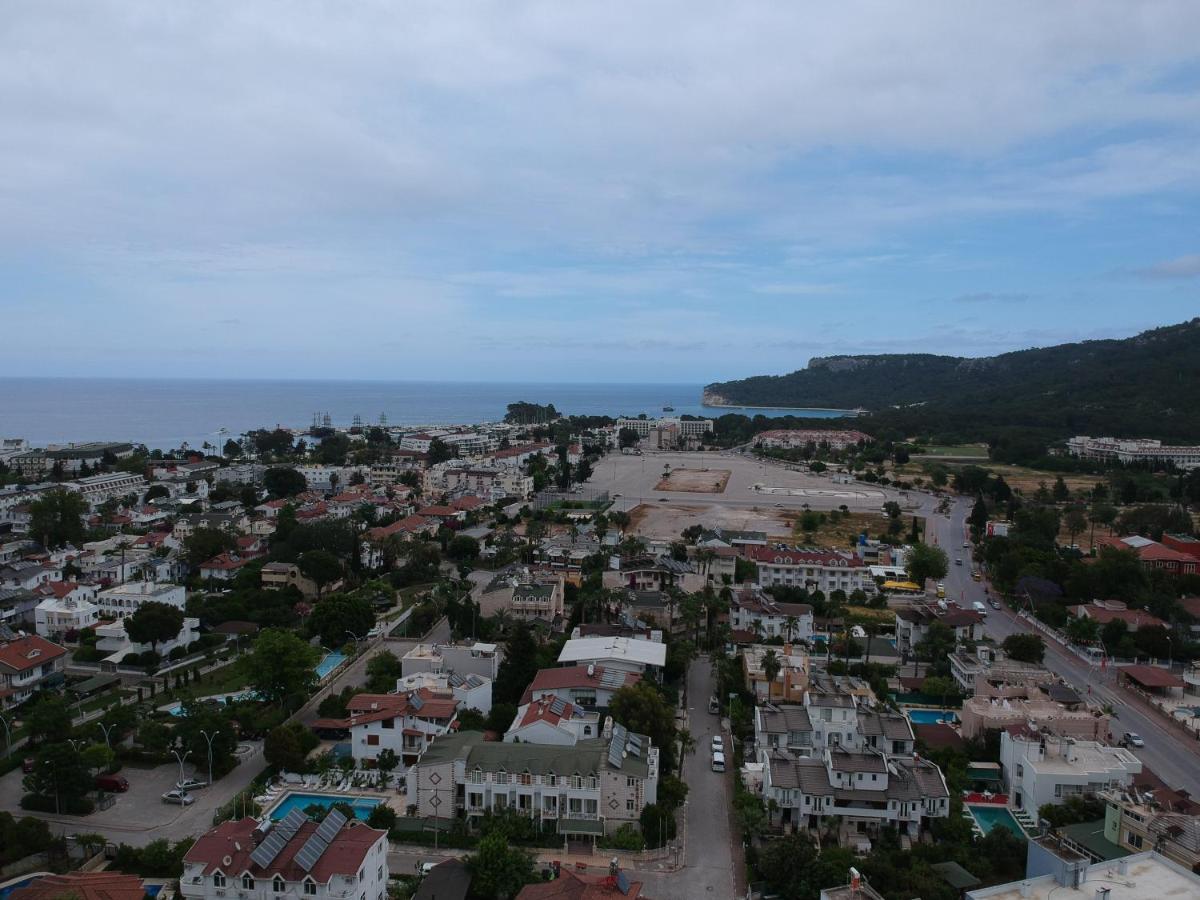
976	451
1019	478
694	481
845	531
665	521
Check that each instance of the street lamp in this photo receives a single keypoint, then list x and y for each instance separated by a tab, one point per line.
209	738
356	639
185	755
108	730
7	736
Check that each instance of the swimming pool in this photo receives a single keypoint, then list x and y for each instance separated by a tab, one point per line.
176	709
362	806
328	663
990	817
931	716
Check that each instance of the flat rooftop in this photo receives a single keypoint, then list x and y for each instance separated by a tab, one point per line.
1147	875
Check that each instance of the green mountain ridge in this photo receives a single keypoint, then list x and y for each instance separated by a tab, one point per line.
1144	386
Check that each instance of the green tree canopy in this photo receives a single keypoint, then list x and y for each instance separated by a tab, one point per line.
205	543
335	617
499	870
321	566
281	665
56	518
642	708
462	548
926	561
382	671
154	623
284	481
1028	648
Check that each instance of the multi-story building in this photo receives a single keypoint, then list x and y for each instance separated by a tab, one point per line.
406	724
279	575
790	681
55	616
615	654
115	641
991	665
685	427
124	600
590	687
590	789
760	614
863	791
912	624
1154	555
96	489
1052	873
292	858
1053	707
475	657
798	438
1133	820
1040	768
1133	450
823	570
28	664
552	721
469	691
831	719
524	594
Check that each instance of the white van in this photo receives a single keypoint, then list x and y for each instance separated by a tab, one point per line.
718	761
979	608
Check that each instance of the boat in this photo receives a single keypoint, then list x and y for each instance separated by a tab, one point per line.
668	408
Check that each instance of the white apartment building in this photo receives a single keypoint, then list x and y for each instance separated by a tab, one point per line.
798	438
1040	768
618	654
28	664
96	489
473	658
823	570
590	687
288	860
469	691
324	478
114	641
590	789
756	612
1131	450
831	721
684	427
124	600
406	724
863	791
552	721
56	616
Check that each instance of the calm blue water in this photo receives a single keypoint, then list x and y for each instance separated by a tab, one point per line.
328	663
990	817
166	412
362	805
930	716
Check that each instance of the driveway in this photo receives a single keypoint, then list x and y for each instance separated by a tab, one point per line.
709	867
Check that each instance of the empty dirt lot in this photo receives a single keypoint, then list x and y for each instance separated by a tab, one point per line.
694	481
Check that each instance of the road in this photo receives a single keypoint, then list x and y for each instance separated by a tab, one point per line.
709	864
1171	756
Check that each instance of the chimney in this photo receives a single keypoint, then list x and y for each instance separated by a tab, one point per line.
1026	889
1123	866
1102	893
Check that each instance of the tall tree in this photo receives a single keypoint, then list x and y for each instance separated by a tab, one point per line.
499	870
335	618
205	543
281	665
926	561
284	481
321	566
56	518
154	623
641	708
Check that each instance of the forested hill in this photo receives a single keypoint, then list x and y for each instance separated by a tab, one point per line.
1148	385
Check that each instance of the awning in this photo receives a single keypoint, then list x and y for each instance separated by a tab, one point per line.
1152	677
580	826
95	683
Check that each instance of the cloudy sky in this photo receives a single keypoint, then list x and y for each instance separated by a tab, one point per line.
587	191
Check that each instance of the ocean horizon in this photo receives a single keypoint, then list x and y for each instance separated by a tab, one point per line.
164	413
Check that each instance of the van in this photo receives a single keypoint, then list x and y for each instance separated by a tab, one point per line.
718	762
114	784
979	608
714	705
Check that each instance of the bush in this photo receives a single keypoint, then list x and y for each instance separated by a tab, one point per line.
20	838
177	654
158	859
76	806
382	817
625	838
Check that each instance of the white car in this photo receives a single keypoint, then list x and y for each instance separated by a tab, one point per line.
718	762
718	744
190	785
180	798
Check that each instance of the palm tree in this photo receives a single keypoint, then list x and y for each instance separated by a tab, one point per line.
771	667
791	623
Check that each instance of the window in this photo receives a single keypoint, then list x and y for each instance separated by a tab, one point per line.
388	723
310	887
247	882
379	874
372	740
1134	840
277	885
629	805
218	880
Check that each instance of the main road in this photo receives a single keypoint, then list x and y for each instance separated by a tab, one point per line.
1171	755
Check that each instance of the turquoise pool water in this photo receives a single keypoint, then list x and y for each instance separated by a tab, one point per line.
328	663
362	805
990	817
176	709
930	716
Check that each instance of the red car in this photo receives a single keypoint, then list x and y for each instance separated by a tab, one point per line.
27	765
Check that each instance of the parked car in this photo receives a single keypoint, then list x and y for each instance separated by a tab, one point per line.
1132	739
718	761
27	764
190	784
958	560
718	744
182	798
994	603
114	784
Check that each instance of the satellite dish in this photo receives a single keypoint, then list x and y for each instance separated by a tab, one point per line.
227	860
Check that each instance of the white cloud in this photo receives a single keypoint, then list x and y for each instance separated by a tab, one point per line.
1179	267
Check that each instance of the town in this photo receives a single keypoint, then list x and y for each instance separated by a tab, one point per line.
565	657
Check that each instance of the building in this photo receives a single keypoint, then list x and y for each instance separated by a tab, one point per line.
653	573
1135	821
469	691
96	489
1057	875
823	570
1153	555
590	789
831	719
54	617
615	653
296	857
1104	611
862	791
476	658
278	575
1039	768
694	428
225	566
790	682
912	624
114	641
571	885
550	720
82	886
27	664
1134	450
799	438
1020	694
991	664
406	724
524	594
760	614
124	600
590	687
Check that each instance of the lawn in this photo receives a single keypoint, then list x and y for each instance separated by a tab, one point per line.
976	451
844	532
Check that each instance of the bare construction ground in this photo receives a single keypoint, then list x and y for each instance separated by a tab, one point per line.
665	521
694	481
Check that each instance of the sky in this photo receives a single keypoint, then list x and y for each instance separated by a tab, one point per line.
655	191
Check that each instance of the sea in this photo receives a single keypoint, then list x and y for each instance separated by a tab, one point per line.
165	413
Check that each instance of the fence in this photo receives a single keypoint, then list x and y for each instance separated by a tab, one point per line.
579	498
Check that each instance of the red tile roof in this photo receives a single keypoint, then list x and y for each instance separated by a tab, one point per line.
573	886
84	886
407	525
1152	676
540	711
438	512
770	555
226	562
235	839
1137	618
28	652
571	677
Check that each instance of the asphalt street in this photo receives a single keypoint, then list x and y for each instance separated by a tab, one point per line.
1171	755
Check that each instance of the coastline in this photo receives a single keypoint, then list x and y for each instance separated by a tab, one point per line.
850	413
